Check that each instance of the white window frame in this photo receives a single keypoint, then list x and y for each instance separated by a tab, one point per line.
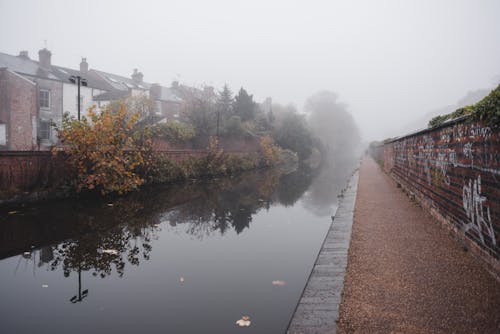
48	99
41	132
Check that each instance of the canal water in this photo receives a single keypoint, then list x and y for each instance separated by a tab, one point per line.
191	258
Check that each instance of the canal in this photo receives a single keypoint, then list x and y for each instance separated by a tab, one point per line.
190	258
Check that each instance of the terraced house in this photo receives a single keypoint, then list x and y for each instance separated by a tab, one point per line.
34	95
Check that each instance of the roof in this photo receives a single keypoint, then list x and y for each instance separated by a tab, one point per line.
25	66
121	83
111	95
93	80
116	86
30	67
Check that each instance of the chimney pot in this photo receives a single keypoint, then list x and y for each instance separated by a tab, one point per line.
44	58
84	66
24	54
137	76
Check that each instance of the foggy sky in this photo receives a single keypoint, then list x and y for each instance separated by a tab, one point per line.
390	61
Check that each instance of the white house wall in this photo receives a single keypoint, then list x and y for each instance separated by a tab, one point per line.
70	93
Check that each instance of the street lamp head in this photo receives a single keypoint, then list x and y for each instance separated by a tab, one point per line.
84	82
72	79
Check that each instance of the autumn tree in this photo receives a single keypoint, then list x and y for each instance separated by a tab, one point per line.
105	151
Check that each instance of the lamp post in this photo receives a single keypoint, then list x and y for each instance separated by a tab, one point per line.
80	82
81	294
218	116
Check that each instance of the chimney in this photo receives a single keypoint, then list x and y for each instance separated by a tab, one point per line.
155	91
137	76
23	54
44	58
84	66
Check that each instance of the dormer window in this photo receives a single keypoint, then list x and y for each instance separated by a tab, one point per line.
44	98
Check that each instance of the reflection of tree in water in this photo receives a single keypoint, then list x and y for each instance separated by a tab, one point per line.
223	205
103	238
332	178
104	244
293	185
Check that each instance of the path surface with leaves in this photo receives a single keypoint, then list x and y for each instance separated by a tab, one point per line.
406	274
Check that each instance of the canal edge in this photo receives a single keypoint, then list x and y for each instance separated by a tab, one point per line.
318	308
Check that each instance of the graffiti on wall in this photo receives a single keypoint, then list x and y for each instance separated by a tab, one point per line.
477	212
454	159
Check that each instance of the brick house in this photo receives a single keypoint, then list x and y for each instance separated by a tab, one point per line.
56	95
18	112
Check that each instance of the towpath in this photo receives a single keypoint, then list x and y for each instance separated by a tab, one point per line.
406	274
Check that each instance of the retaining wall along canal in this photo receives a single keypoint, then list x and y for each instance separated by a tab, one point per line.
35	175
453	171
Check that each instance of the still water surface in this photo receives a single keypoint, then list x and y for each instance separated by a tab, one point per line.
190	258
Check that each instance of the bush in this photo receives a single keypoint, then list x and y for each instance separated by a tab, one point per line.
104	151
175	132
487	111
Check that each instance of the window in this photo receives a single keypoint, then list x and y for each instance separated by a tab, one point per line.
45	98
3	135
44	130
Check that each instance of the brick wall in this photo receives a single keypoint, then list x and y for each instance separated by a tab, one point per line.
18	111
29	171
23	173
454	172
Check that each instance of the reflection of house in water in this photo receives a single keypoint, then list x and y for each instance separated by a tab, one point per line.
46	255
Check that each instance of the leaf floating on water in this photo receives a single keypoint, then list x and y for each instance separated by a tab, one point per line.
244	321
45	285
12	212
279	283
110	251
110	204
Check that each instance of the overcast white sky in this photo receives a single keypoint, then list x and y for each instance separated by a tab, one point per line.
390	61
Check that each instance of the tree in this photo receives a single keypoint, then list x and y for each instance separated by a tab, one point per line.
201	114
244	106
105	151
141	104
225	102
332	123
293	133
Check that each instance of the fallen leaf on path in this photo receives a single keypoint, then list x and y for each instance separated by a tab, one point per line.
110	251
279	283
244	321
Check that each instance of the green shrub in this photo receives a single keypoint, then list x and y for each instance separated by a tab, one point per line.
486	111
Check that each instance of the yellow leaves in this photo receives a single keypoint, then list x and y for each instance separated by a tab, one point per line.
269	150
103	152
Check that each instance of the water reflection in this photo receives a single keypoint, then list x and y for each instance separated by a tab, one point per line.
327	184
83	231
228	237
104	237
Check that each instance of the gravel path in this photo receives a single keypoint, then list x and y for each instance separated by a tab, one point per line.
405	274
